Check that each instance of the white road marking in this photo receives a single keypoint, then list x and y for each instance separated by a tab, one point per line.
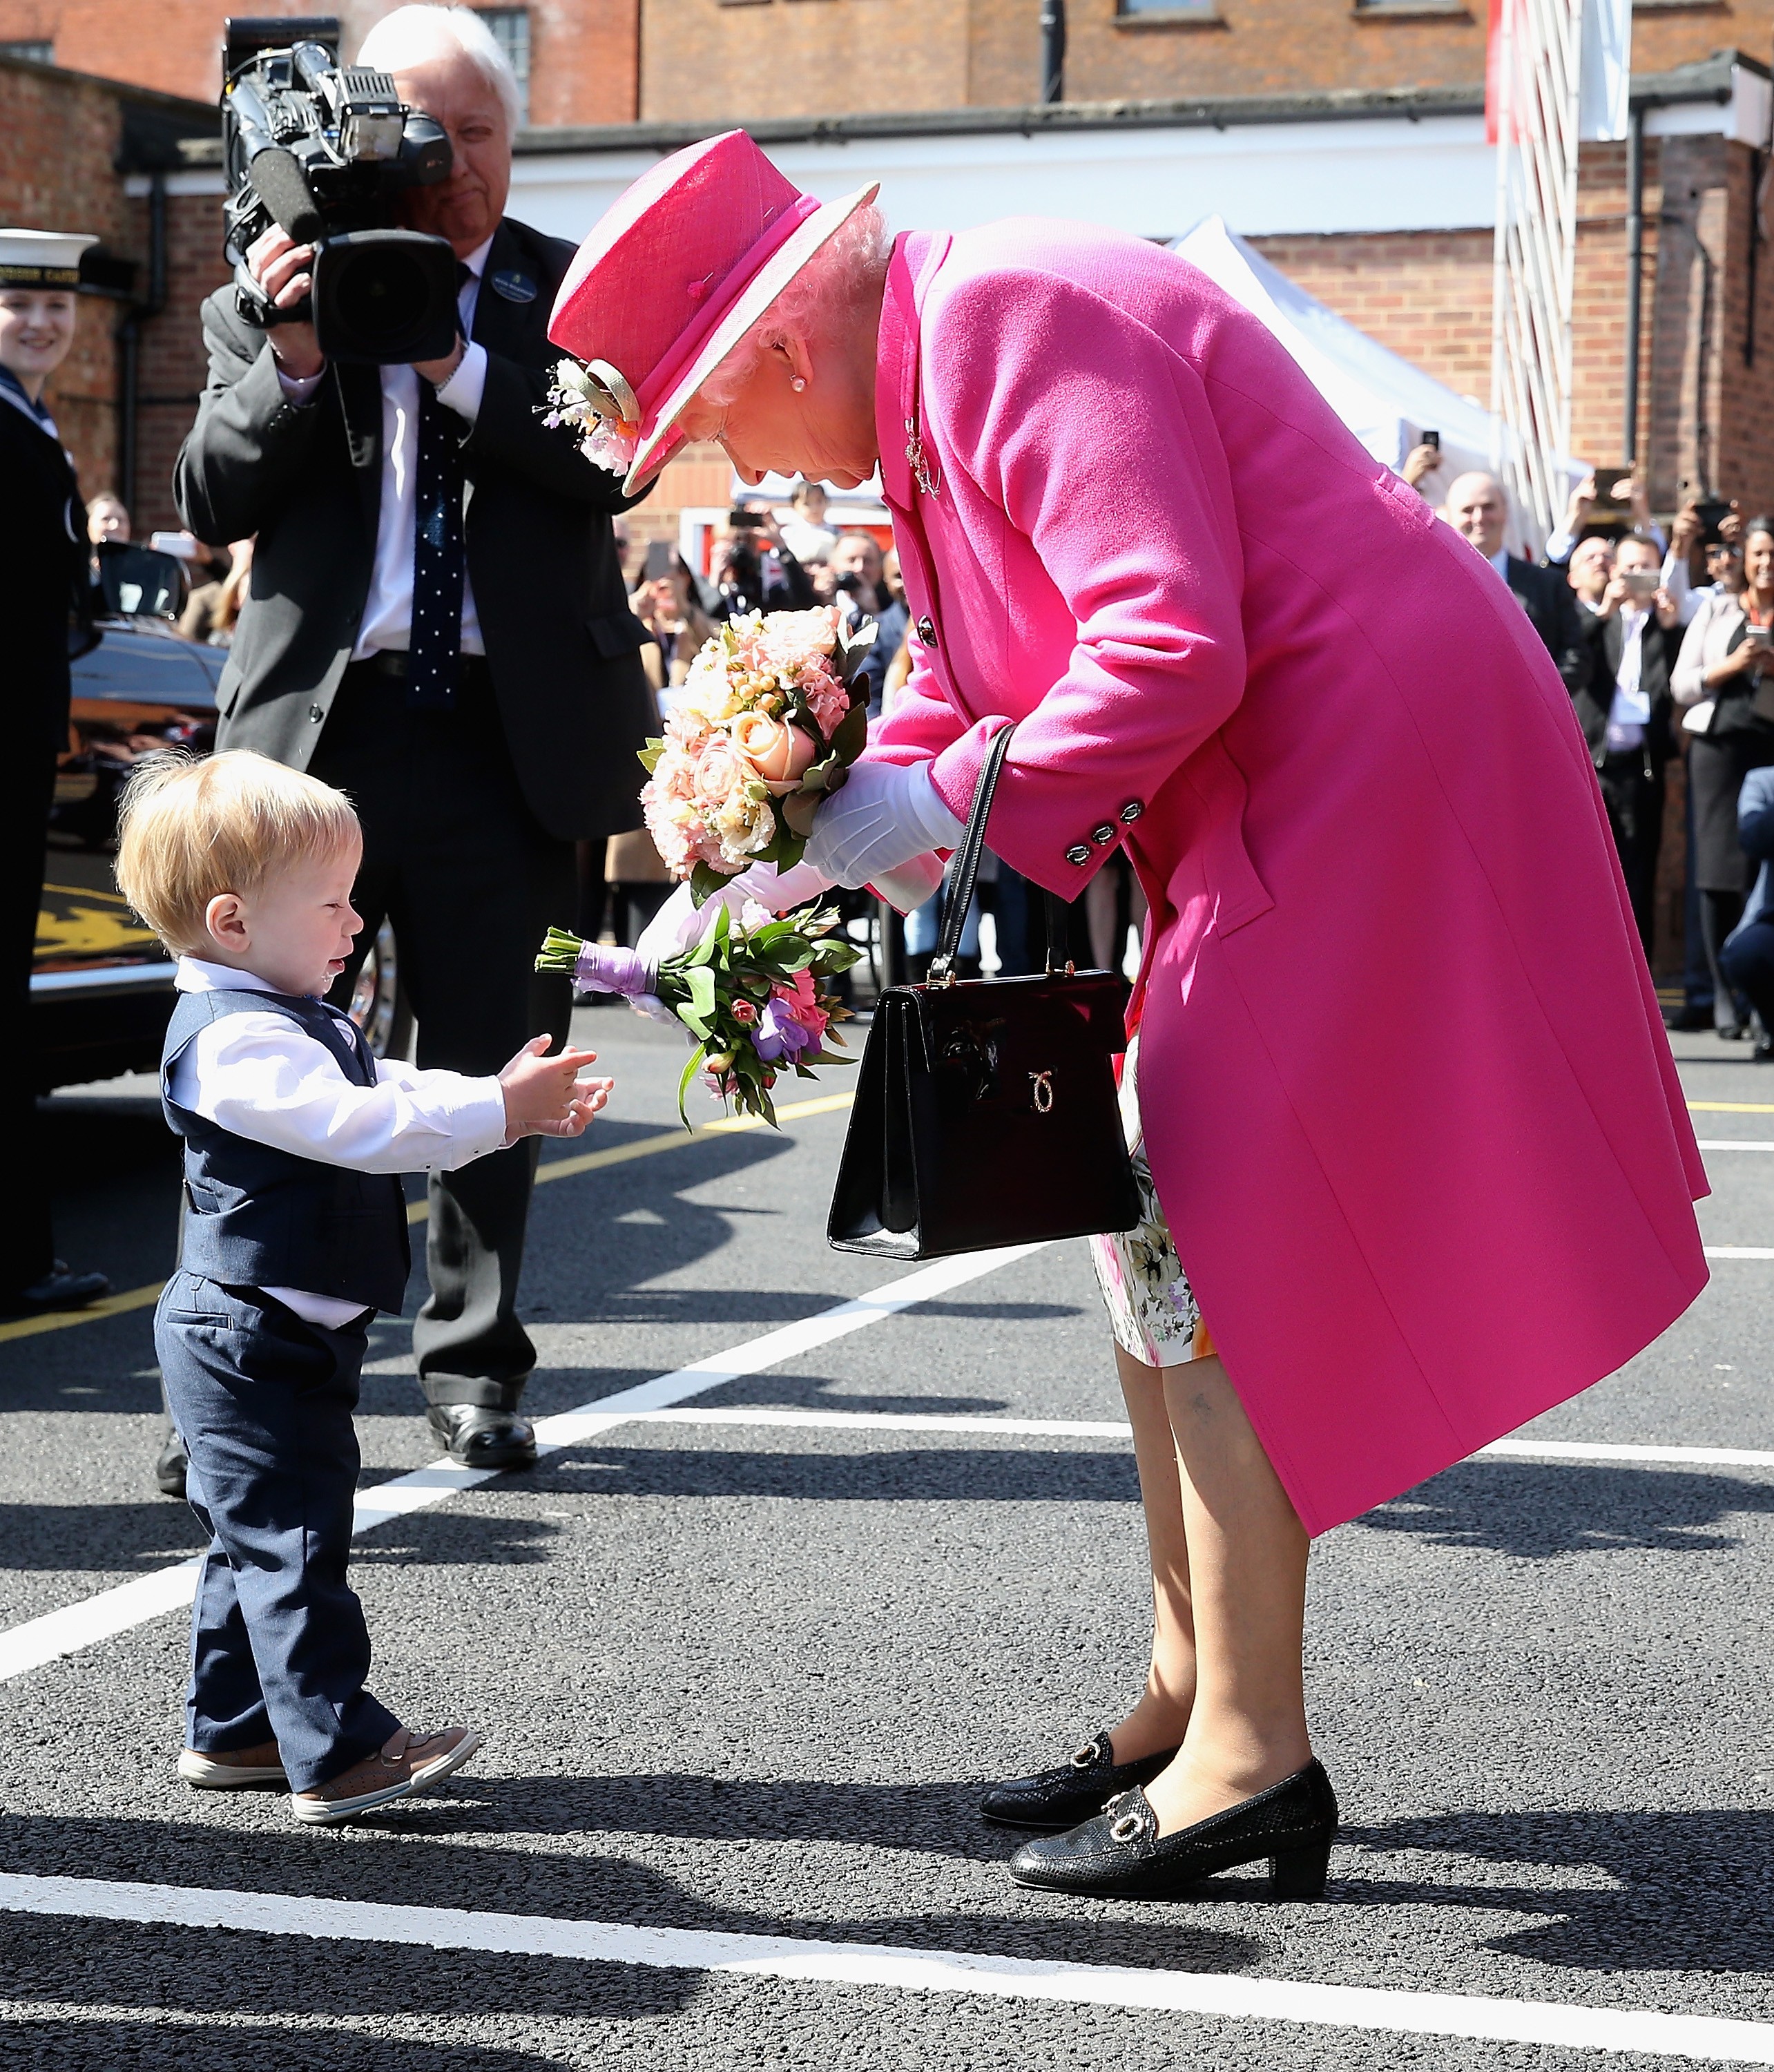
1733	1144
1740	1252
1226	1995
1578	1450
110	1612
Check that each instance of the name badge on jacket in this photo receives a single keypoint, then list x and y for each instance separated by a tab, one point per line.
514	286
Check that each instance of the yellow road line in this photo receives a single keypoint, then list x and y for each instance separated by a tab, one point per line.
1734	1107
556	1169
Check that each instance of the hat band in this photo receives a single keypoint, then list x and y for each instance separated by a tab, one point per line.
39	276
691	340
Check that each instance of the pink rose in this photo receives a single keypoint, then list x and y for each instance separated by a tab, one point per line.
718	771
778	752
744	1013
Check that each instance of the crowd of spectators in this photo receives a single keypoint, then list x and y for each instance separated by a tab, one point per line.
1664	643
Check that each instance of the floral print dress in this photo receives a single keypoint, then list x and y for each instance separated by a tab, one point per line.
1152	1309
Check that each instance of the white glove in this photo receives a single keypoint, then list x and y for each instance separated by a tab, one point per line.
780	890
884	816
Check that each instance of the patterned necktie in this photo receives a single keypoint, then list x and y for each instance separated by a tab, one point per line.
434	642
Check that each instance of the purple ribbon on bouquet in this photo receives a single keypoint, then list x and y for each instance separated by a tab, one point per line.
603	968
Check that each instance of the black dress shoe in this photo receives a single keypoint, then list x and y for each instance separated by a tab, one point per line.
170	1465
59	1289
1120	1854
1053	1800
475	1437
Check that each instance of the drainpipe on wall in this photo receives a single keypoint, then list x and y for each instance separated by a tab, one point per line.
128	340
1053	51
1635	274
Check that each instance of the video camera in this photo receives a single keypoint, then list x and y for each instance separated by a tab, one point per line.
324	151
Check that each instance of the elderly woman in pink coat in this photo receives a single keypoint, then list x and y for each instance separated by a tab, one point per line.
1418	1164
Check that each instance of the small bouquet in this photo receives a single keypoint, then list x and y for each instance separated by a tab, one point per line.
749	993
774	713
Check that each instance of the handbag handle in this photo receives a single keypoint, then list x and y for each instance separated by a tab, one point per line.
959	895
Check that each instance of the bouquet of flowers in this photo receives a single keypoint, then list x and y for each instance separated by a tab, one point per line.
749	993
774	713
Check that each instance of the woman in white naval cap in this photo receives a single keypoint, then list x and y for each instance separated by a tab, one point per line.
43	581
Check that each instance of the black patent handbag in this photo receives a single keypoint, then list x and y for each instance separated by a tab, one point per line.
986	1110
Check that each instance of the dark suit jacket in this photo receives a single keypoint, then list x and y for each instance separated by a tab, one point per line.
1551	606
562	646
1604	640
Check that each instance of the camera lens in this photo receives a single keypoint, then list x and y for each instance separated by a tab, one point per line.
380	293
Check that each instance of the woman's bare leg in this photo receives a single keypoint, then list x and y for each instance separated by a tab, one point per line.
1159	1719
1245	1586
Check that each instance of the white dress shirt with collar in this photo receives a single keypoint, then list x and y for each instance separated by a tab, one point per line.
387	622
263	1077
1630	714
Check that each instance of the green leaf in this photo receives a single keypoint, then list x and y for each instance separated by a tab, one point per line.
649	756
699	982
690	1071
705	881
850	737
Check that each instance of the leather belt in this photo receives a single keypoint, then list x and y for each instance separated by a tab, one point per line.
391	662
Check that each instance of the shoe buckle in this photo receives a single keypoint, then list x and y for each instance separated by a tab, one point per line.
1086	1758
1126	1829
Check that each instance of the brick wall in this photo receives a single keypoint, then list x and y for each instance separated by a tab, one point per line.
61	138
583	53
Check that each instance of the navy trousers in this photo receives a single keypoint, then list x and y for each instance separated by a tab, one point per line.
1749	965
279	1649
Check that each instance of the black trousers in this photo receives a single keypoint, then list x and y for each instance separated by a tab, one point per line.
470	880
279	1649
27	784
1633	791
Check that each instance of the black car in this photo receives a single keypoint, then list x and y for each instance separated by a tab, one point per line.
102	986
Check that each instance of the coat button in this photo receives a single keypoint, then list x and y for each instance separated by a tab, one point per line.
926	631
317	713
1131	813
1105	833
1079	853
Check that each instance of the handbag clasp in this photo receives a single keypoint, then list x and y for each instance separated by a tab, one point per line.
1041	1091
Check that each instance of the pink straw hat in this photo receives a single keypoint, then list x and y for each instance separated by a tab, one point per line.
676	272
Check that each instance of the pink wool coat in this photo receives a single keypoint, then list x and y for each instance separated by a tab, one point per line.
1407	1098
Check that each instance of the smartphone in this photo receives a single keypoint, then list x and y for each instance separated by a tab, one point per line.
1711	511
739	517
659	558
1758	636
1430	439
1642	582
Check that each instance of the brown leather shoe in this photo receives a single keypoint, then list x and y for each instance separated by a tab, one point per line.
406	1763
226	1769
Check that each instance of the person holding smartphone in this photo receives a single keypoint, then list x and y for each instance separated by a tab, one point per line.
1724	680
1633	635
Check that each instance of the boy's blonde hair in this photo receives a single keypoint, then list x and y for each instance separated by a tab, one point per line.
189	829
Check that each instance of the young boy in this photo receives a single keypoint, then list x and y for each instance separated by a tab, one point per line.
295	1235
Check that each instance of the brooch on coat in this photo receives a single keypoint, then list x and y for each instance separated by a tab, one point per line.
924	471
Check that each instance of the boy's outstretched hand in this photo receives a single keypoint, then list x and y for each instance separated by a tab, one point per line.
544	1096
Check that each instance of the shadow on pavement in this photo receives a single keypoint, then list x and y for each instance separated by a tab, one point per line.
397	1862
967	1473
1556	1508
1688	1893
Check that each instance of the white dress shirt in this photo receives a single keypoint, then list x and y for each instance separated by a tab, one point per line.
1630	714
388	612
264	1077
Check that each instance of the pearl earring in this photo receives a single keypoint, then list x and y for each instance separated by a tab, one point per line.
797	384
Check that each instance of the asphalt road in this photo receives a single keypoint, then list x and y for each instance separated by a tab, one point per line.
743	1679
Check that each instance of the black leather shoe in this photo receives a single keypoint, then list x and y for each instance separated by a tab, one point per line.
475	1437
59	1289
1053	1800
170	1466
1120	1854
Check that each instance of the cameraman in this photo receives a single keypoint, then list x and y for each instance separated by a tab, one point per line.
468	671
754	577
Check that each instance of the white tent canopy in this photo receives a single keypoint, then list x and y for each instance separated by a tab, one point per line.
1388	403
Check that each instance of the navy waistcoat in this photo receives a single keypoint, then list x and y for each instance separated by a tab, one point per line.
261	1217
